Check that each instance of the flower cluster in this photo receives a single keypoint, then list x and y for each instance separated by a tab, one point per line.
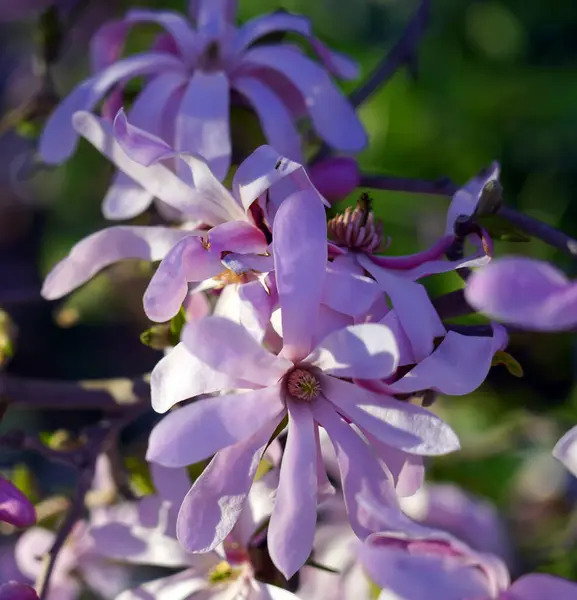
303	359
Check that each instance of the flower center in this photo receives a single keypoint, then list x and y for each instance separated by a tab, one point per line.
228	277
223	572
357	229
303	385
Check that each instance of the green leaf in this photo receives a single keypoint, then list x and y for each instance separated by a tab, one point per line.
511	364
140	477
500	229
177	324
23	478
158	337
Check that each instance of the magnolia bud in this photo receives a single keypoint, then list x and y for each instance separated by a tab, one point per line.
335	178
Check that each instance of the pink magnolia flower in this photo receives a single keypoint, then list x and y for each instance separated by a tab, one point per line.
529	293
150	540
15	508
303	383
190	75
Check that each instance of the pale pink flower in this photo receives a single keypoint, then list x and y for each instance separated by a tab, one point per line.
191	74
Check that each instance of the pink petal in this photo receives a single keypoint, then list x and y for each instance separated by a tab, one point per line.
540	586
367	351
156	179
413	307
300	257
187	261
275	118
202	123
180	375
215	501
336	177
174	23
256	305
58	140
107	43
359	468
292	525
325	489
521	291
195	432
349	293
262	170
126	198
403	425
170	484
466	199
332	116
565	450
105	248
457	367
228	348
263	25
15	508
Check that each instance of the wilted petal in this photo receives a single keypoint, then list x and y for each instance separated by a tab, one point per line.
457	367
275	118
467	198
15	508
292	525
403	425
229	348
359	468
202	123
58	139
366	351
333	118
541	586
300	257
521	291
215	501
105	248
566	450
195	432
180	375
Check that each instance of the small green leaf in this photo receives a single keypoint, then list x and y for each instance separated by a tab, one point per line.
140	477
177	324
512	365
158	337
23	478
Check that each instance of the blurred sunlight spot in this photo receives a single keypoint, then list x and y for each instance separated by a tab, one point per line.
541	477
495	30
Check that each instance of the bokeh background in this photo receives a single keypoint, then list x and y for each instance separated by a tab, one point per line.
496	80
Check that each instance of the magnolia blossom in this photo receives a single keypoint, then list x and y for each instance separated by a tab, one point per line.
15	508
191	74
304	383
150	539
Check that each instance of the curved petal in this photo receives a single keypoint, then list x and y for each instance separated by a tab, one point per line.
263	25
457	367
212	506
292	525
399	424
126	198
199	430
335	62
538	586
212	16
300	258
15	508
333	118
349	293
106	44
104	248
413	307
360	470
227	347
202	122
336	177
180	586
180	375
256	305
157	179
366	351
275	118
565	450
58	139
529	293
187	261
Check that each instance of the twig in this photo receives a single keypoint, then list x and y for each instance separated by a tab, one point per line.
402	53
440	187
110	395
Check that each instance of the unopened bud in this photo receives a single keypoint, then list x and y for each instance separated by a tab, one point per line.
335	178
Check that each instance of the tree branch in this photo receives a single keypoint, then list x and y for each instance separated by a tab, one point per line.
110	395
440	187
